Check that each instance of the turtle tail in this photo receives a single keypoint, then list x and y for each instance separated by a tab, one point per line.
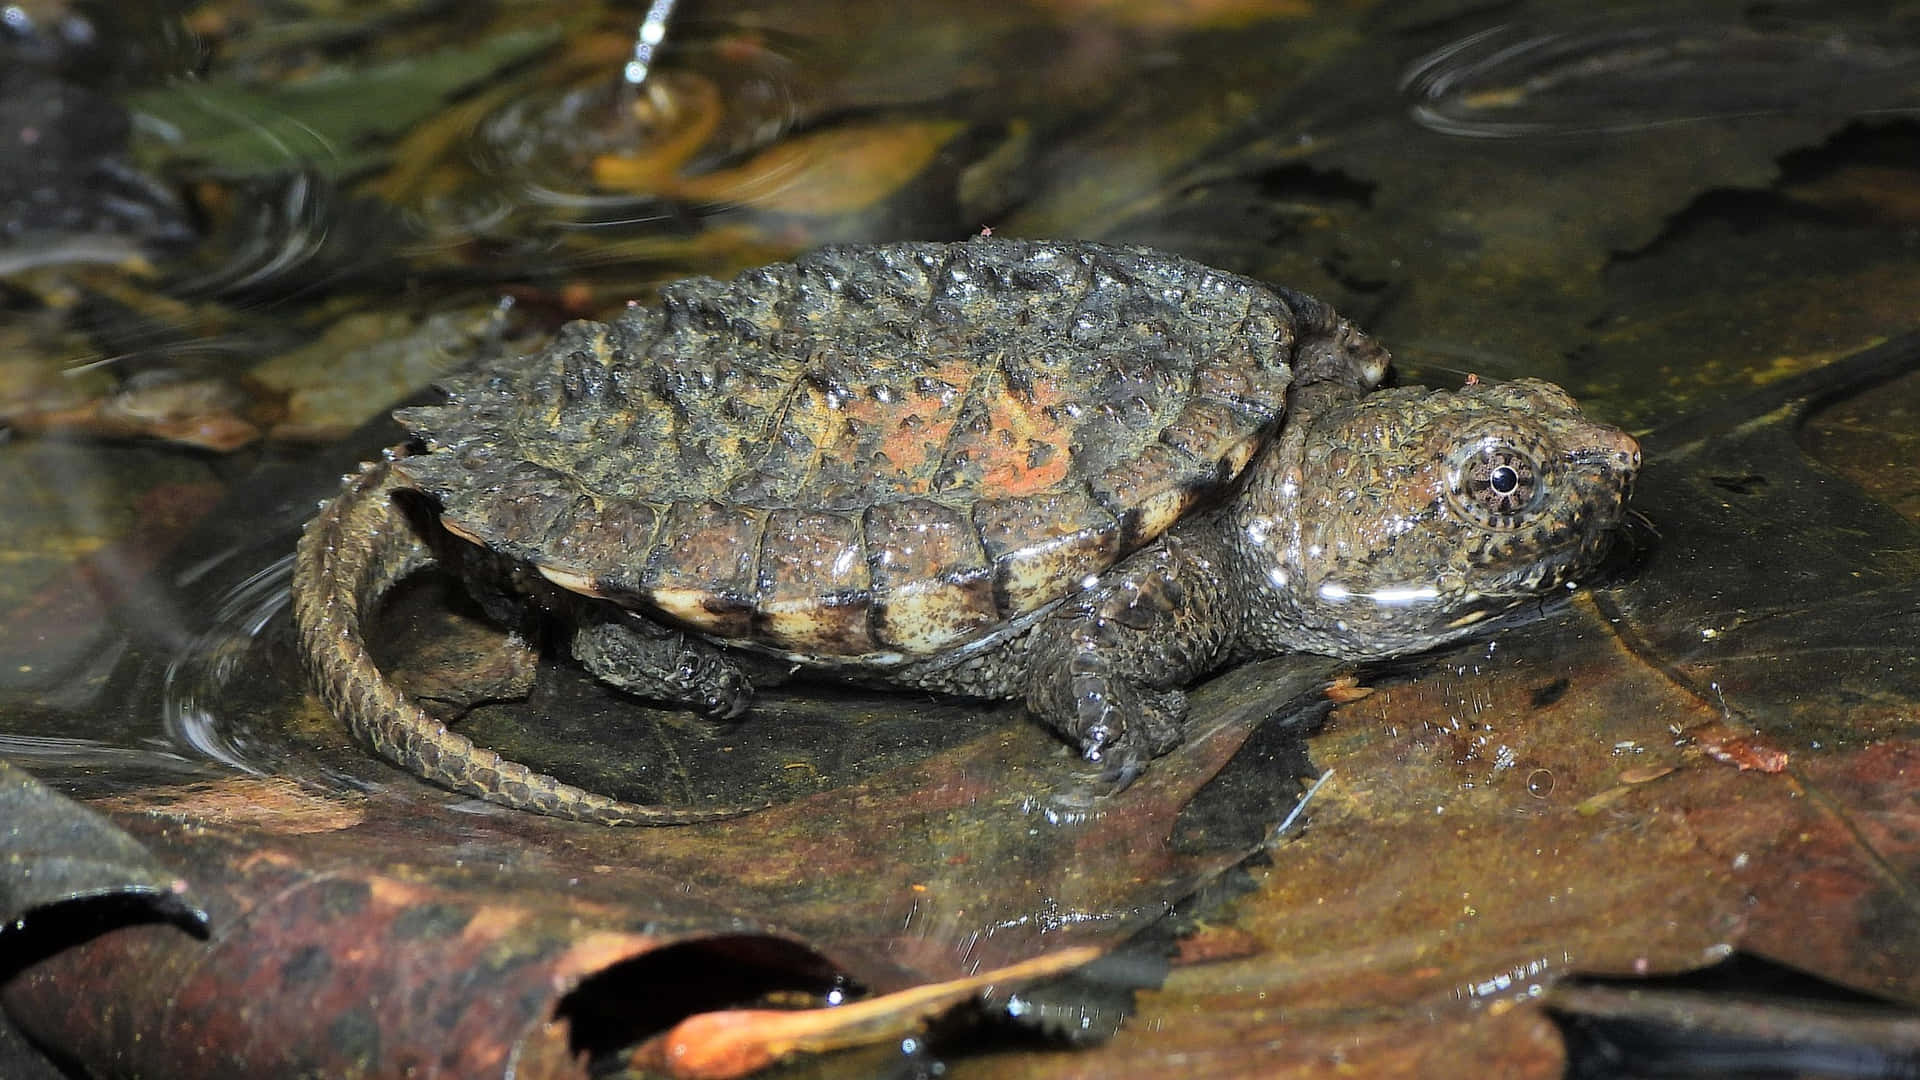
358	548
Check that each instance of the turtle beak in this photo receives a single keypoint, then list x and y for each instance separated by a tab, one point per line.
1624	447
1606	462
1608	449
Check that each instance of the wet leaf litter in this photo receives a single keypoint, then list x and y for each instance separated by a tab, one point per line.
1777	256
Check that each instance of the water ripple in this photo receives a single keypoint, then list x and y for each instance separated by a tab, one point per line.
1610	75
726	94
60	752
200	672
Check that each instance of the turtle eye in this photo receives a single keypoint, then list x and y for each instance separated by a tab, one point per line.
1495	483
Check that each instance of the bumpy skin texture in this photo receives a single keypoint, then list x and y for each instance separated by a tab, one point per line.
1076	475
1381	528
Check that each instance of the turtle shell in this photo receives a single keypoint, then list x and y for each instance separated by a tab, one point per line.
872	453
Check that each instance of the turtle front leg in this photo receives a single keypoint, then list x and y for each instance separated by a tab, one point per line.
1106	670
652	661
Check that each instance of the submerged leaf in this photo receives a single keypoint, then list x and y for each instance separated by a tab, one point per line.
333	124
837	170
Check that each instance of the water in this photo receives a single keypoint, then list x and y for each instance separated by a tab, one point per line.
229	242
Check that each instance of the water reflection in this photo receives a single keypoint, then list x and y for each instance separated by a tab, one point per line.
1618	75
590	149
1501	255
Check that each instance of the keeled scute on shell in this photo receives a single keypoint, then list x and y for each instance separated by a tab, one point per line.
870	451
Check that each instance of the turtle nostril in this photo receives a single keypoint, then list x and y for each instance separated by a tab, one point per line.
1628	448
1609	447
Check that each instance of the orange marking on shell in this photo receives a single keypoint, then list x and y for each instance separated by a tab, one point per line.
914	449
853	426
1009	469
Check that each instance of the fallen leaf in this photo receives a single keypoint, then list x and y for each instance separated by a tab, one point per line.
836	170
723	1045
53	851
1743	750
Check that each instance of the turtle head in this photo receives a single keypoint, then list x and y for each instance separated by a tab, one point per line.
1408	517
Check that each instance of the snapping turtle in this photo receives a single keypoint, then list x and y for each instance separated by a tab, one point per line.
1078	475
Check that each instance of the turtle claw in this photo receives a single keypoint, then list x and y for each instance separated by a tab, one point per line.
720	691
1120	774
1132	725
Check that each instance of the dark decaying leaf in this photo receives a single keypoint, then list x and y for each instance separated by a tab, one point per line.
1717	753
55	854
500	940
1600	793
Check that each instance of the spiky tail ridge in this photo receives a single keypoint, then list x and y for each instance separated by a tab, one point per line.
357	548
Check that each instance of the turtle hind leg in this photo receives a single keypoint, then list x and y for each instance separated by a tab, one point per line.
1106	669
1117	721
661	664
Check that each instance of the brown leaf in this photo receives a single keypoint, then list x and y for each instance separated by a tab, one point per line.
1346	689
350	969
836	170
722	1045
1726	744
273	806
1473	847
208	414
1833	869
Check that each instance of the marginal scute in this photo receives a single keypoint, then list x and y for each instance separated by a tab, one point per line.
982	425
1042	545
608	543
701	570
523	506
428	418
812	586
436	474
1150	490
930	575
